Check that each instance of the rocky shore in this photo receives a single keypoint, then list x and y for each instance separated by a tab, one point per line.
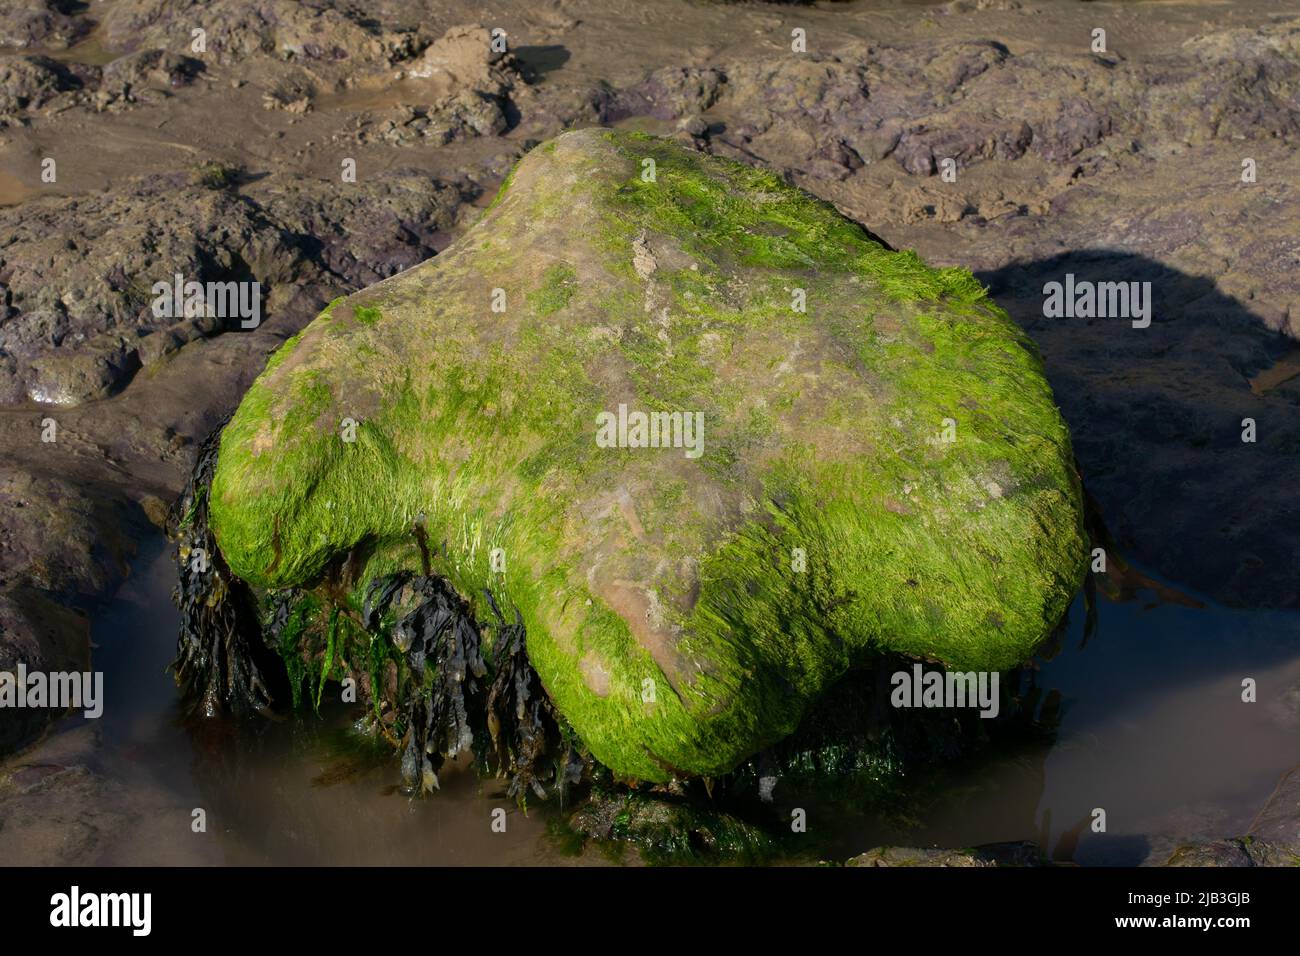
130	151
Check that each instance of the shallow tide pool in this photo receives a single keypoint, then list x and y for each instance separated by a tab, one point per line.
1153	731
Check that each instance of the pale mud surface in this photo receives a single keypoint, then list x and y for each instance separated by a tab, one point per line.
226	165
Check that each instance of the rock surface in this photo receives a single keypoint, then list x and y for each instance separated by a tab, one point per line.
851	409
994	854
77	323
41	23
857	120
1162	125
1272	840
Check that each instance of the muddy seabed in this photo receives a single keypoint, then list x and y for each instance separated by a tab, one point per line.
1122	166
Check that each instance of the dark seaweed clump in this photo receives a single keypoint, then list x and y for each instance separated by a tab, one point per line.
666	829
517	701
415	647
221	665
444	659
509	721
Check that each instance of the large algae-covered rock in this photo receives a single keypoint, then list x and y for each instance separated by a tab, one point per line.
855	453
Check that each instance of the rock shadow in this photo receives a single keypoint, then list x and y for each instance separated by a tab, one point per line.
1158	416
537	61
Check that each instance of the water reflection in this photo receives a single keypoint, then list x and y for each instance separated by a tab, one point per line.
1152	729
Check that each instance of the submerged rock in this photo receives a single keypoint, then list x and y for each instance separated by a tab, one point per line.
668	830
994	854
1272	840
856	453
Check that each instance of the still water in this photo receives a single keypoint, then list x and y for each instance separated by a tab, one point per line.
1154	731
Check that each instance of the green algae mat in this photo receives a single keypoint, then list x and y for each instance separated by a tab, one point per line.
705	442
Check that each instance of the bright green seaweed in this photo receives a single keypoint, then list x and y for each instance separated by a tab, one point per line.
897	433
